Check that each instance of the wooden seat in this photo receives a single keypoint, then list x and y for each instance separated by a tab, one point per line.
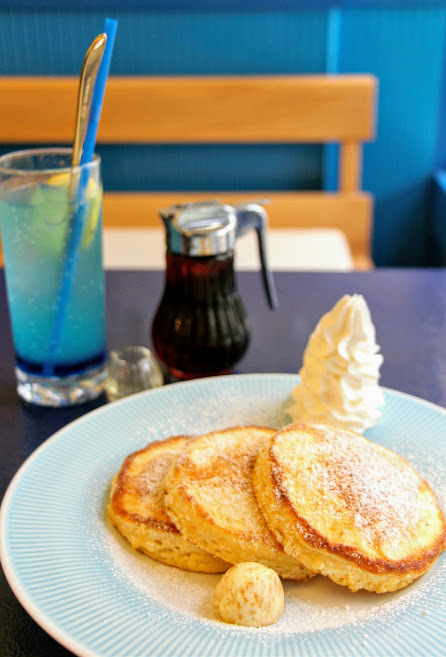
161	110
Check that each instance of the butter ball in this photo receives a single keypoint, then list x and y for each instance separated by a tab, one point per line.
250	594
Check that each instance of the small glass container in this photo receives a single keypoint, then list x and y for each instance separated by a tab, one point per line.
130	370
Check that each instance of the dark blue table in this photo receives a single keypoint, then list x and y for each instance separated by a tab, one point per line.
408	308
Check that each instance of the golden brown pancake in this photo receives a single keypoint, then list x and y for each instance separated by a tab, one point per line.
210	498
348	508
136	508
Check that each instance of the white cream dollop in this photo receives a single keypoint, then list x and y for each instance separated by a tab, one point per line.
340	372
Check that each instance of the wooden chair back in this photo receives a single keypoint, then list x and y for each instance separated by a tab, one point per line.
162	110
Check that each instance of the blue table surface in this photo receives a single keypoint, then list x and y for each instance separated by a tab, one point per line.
408	309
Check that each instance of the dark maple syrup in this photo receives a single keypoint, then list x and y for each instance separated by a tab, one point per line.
200	327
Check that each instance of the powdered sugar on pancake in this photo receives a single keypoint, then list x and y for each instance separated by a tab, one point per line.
377	489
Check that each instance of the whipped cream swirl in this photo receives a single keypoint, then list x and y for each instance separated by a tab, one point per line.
340	373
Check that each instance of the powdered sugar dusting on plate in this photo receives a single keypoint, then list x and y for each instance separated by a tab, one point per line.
212	414
316	605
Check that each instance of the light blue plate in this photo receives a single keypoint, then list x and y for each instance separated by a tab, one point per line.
77	577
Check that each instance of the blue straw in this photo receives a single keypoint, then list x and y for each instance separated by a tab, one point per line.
79	217
99	90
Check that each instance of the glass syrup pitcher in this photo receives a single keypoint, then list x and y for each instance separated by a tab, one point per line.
200	327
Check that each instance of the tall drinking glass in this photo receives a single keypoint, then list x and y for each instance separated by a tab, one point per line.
60	351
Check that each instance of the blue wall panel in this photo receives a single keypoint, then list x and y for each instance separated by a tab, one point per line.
403	47
205	167
158	43
215	5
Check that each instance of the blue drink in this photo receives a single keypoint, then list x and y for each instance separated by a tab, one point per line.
36	218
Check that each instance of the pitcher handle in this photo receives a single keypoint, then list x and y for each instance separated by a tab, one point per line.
253	215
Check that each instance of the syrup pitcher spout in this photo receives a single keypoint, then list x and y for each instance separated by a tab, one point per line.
253	216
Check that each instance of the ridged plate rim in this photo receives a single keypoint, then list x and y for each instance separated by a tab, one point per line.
243	643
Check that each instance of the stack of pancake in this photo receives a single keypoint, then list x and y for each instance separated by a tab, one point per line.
304	500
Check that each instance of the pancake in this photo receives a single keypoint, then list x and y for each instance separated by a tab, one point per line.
136	508
348	508
210	498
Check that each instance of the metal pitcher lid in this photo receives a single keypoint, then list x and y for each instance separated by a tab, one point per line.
200	229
